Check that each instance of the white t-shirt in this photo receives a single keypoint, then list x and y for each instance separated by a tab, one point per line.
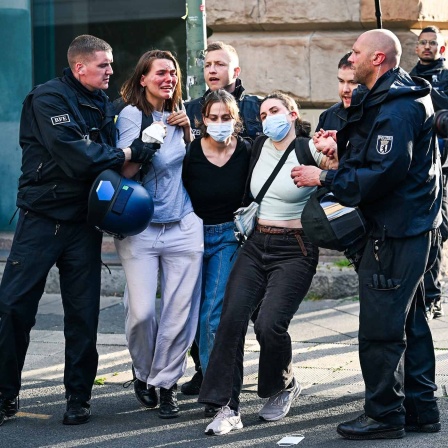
283	201
164	179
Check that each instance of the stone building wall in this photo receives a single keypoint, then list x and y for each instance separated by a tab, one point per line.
295	45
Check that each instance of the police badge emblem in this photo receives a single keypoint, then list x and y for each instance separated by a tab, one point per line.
384	144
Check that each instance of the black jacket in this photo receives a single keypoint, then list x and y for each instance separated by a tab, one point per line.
333	118
389	163
67	135
249	106
436	73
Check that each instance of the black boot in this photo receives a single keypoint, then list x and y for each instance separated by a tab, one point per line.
193	386
8	408
78	412
147	397
168	402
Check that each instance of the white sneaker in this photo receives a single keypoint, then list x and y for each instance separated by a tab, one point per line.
225	420
279	404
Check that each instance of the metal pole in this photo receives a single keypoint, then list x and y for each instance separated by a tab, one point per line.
379	23
196	44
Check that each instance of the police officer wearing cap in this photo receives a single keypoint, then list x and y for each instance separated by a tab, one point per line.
390	167
67	135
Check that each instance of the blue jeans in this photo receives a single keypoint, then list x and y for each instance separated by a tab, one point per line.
220	246
276	271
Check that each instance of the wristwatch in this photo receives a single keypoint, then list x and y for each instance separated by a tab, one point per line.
323	176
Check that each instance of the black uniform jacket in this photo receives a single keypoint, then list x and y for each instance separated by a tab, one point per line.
333	118
436	73
67	135
389	159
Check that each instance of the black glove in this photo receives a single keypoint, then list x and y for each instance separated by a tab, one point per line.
143	152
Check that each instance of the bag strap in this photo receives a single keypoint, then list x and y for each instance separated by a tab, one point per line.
147	120
303	152
274	173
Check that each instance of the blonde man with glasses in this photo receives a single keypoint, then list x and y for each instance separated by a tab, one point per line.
433	67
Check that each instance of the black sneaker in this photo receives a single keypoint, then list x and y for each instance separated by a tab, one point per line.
78	412
168	402
8	408
193	386
438	309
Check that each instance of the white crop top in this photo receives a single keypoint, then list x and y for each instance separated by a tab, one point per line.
283	201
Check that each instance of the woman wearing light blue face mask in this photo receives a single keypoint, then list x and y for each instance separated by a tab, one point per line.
273	272
214	174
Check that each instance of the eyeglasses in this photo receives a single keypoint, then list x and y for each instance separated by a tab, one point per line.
424	42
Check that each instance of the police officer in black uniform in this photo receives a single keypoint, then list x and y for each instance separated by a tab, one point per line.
433	67
67	135
389	166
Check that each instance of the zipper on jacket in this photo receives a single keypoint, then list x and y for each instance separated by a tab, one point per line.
38	173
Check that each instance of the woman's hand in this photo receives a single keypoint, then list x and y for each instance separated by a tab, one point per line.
180	118
325	143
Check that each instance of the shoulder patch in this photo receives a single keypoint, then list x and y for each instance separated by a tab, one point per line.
384	143
60	119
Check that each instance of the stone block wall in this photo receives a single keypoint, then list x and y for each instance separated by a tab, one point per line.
295	45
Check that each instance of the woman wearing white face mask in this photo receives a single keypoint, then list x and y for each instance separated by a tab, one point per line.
214	174
273	271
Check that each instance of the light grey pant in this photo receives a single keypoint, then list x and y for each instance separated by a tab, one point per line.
158	344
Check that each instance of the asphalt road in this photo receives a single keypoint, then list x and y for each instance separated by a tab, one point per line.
118	421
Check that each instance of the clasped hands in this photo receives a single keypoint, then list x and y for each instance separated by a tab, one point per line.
308	176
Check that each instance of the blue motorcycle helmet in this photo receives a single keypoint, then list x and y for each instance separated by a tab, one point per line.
118	206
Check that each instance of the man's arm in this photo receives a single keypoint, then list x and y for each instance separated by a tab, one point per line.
72	150
386	161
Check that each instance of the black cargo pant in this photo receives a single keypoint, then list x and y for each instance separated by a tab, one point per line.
395	343
75	248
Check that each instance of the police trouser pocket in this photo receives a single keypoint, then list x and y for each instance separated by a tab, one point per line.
383	311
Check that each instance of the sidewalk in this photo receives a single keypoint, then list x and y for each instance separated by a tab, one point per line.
325	358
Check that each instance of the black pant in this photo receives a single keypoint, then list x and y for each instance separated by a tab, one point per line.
433	288
395	343
38	244
273	270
